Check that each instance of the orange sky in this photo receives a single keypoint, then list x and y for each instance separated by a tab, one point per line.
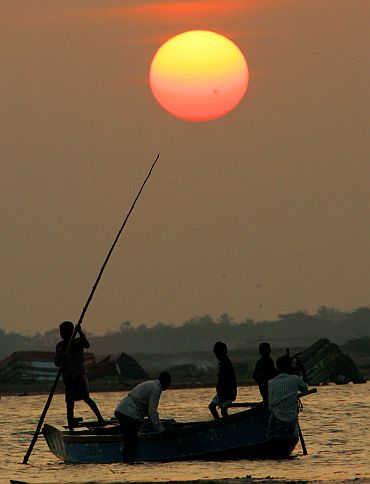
261	212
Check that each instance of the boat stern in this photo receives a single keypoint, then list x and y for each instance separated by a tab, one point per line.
54	439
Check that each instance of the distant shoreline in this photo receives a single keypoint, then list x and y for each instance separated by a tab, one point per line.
38	388
22	389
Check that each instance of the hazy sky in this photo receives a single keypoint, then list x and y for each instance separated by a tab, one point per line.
262	212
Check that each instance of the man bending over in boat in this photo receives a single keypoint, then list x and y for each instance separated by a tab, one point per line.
73	371
142	401
226	383
283	403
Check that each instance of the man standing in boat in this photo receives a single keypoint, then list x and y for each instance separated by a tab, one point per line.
142	401
226	383
264	370
283	403
73	371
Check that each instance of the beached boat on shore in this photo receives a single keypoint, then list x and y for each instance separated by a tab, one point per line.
238	436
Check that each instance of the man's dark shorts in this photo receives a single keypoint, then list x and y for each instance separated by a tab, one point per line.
76	388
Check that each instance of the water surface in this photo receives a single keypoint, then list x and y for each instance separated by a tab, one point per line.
335	423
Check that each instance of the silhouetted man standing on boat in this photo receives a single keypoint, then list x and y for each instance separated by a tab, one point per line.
264	370
226	382
73	371
283	403
142	401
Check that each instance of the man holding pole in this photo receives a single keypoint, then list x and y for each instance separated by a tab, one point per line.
80	319
73	370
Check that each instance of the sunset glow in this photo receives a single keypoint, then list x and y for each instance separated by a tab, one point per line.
199	75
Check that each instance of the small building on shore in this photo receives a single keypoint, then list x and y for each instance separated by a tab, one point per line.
32	366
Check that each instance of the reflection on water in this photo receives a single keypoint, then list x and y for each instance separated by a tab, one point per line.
335	424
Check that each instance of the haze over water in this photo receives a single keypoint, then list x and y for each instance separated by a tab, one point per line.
335	424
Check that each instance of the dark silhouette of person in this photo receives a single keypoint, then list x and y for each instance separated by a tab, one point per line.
298	368
264	370
226	387
73	371
283	403
142	401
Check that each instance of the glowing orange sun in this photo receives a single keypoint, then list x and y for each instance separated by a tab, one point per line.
198	75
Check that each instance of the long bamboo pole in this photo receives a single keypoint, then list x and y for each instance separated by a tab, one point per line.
80	319
301	438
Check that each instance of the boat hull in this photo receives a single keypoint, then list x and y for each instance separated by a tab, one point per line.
239	436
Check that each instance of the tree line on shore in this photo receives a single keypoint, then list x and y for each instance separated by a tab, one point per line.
199	333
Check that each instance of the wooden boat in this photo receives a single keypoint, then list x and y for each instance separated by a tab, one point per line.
238	436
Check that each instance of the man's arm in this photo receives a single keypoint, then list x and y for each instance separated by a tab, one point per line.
302	385
82	341
153	409
58	356
256	373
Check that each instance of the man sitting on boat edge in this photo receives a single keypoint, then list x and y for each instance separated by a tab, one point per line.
226	387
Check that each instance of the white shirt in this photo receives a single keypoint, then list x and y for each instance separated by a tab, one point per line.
142	401
283	400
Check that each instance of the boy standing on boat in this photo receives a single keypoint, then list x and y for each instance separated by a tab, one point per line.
226	383
142	401
283	402
73	371
264	370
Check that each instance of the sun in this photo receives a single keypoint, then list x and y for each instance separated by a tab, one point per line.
199	75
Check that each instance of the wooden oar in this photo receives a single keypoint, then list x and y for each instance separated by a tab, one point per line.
53	388
301	439
243	404
309	392
313	390
254	404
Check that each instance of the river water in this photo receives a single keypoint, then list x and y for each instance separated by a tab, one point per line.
335	424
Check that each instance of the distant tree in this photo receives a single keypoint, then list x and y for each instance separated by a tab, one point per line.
358	346
204	320
10	342
225	320
125	326
297	316
199	333
331	314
